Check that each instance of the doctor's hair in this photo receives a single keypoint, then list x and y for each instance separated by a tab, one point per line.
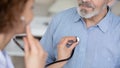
10	13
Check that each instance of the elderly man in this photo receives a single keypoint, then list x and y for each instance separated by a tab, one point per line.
99	32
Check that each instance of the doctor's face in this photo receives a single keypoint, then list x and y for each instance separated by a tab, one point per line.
28	11
26	16
90	8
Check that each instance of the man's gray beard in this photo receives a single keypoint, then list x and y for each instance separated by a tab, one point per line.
84	14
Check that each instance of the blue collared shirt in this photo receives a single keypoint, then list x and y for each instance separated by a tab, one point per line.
5	61
99	46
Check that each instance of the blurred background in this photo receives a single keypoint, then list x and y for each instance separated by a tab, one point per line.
43	11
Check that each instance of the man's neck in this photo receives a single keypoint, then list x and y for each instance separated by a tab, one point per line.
95	19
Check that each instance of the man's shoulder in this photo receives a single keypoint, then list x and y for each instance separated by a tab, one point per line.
114	16
115	19
67	12
116	22
64	15
119	21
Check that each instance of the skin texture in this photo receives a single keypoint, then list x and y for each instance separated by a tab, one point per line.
93	10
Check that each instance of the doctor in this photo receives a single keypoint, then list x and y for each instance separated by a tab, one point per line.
15	17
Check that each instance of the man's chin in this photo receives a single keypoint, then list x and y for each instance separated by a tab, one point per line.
87	15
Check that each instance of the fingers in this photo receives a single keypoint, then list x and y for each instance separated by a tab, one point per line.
38	45
26	46
73	46
66	46
29	35
33	43
65	40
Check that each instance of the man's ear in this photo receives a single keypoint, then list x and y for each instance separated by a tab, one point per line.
110	2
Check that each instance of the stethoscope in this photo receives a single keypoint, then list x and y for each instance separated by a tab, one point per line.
70	42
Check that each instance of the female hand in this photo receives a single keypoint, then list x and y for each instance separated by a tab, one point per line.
35	56
64	51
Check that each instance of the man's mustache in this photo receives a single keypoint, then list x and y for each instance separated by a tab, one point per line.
86	4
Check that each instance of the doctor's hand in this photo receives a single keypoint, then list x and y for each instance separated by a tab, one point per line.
35	56
64	51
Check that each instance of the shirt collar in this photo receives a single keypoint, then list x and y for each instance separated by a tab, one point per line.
103	24
77	17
